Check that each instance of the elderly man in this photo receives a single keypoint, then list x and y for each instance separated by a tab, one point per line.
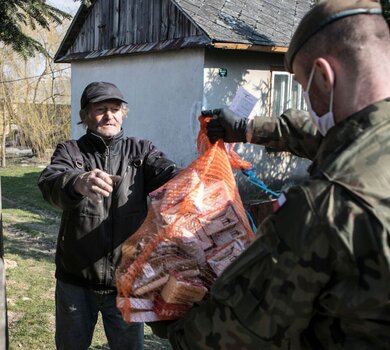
317	276
100	183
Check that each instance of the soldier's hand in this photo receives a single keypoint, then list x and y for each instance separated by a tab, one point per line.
95	184
226	125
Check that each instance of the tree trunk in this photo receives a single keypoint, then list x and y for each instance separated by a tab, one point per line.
3	117
3	137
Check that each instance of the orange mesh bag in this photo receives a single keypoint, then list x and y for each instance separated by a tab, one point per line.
196	225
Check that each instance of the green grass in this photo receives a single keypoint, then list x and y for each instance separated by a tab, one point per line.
30	230
19	185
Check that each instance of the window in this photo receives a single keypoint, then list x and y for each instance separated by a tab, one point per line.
286	93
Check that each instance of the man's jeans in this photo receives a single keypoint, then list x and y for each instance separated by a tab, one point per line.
76	315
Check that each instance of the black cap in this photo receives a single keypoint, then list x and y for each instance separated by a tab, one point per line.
100	91
321	15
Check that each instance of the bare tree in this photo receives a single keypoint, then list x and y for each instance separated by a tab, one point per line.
7	110
37	94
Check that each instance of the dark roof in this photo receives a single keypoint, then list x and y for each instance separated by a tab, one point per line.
259	22
256	24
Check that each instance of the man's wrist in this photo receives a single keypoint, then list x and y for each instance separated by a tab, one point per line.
249	130
77	186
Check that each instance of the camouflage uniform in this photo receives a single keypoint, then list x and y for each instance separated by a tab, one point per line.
317	276
293	131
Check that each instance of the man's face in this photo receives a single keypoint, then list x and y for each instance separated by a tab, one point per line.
319	99
104	118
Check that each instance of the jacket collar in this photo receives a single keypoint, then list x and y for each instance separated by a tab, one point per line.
101	143
346	133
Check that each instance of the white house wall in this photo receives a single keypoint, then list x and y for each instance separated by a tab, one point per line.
252	70
164	91
248	69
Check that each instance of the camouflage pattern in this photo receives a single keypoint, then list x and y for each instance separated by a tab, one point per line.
293	131
318	274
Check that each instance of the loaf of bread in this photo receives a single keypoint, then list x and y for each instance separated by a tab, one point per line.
179	290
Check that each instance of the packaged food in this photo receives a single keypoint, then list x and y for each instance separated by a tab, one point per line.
196	226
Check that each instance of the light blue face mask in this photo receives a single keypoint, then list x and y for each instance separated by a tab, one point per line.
326	121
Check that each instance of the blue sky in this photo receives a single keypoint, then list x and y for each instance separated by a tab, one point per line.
65	5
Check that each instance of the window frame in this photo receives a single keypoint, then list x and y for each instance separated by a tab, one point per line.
284	105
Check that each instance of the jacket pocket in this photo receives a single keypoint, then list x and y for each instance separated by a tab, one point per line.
130	188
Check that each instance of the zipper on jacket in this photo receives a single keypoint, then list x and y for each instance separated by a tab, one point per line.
108	260
135	163
107	154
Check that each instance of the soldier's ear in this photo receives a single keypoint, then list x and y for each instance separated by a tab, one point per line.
324	74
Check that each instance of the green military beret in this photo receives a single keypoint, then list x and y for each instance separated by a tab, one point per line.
324	13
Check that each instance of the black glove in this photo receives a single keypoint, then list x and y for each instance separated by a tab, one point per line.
226	125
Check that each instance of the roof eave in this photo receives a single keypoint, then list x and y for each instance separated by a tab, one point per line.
73	29
250	47
172	44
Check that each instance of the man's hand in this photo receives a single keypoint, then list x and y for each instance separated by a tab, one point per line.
226	125
95	184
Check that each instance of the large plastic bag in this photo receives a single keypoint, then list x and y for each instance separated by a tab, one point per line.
195	227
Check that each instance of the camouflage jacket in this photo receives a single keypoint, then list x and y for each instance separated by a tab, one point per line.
318	274
293	131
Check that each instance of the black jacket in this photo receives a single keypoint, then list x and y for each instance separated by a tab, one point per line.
90	235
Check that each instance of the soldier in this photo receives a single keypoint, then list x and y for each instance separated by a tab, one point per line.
317	276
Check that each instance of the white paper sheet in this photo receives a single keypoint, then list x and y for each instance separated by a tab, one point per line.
243	103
